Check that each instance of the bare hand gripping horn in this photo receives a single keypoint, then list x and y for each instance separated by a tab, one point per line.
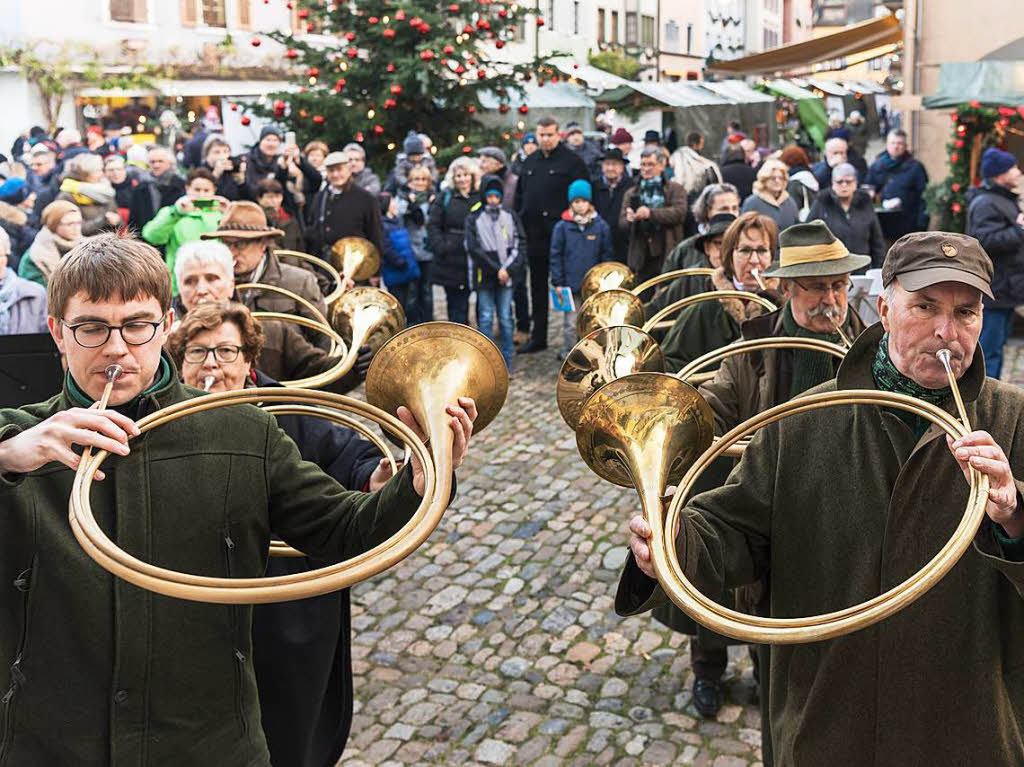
425	368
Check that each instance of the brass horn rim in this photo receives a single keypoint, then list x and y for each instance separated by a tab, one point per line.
709	295
589	289
345	362
339	285
268	589
817	627
367	267
635	309
694	271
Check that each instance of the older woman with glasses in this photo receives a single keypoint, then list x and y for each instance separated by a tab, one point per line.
748	247
300	649
770	197
850	214
204	274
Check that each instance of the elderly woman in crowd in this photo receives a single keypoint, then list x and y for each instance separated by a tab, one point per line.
850	214
22	303
87	187
300	649
362	176
445	230
748	246
61	231
770	197
204	273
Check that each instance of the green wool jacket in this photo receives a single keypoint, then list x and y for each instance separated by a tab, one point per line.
686	255
172	228
836	506
95	672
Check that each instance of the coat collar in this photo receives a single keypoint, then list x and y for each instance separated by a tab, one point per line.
855	370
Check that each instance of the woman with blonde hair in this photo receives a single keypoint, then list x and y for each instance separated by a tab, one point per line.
445	233
770	197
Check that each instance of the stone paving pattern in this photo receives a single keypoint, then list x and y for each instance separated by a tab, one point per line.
496	643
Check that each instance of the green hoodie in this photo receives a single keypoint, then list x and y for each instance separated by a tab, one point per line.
173	227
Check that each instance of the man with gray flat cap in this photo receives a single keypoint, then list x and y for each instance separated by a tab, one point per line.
840	504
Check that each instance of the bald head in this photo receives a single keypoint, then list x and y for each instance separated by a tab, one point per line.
835	151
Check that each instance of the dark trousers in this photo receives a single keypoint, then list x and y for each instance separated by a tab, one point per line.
995	329
521	300
458	304
421	297
709	654
539	253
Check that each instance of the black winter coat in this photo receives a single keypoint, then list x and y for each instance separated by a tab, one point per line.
608	203
740	175
446	237
992	213
542	189
858	228
149	196
229	188
302	650
353	213
907	180
259	167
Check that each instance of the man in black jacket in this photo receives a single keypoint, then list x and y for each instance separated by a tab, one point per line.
160	189
994	217
341	209
609	191
540	200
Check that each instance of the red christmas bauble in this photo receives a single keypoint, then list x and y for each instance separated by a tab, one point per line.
467	149
289	5
449	50
318	119
1007	111
390	104
540	22
540	83
391	67
415	21
954	158
554	78
359	137
389	34
313	72
956	207
303	13
975	104
500	44
352	52
959	143
372	20
423	28
955	187
378	129
245	120
467	30
471	109
255	42
279	104
483	24
453	8
339	84
427	55
481	74
234	107
396	89
524	109
503	108
278	112
399	16
459	69
503	13
310	27
291	53
303	89
350	36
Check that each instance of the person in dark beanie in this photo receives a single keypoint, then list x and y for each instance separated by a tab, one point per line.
414	153
585	150
268	160
540	200
610	189
994	218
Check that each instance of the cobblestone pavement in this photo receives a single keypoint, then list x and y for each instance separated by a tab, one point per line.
497	642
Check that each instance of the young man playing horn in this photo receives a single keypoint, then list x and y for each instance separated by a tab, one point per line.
95	671
839	504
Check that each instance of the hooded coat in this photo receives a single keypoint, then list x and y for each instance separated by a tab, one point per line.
992	212
939	683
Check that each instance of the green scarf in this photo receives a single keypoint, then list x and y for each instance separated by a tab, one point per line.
162	378
809	368
888	378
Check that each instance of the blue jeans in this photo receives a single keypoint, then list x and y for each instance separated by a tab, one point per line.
487	299
995	329
458	304
420	302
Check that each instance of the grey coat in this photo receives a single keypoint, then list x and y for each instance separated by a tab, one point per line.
28	312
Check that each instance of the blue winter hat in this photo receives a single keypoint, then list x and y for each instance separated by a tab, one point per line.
995	162
580	189
413	144
528	138
13	190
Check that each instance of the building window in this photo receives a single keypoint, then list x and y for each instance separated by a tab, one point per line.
132	11
550	15
689	38
647	31
615	27
631	28
771	39
576	17
244	14
671	36
213	13
600	26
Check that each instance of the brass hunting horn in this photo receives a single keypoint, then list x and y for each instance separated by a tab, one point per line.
356	258
426	368
608	275
317	263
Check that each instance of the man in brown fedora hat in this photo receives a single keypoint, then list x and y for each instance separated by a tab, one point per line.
840	504
245	231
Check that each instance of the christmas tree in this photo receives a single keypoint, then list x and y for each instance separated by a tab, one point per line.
398	66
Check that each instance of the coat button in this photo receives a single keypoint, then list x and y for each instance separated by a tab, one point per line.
120	696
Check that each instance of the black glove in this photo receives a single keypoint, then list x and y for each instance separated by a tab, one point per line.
363	360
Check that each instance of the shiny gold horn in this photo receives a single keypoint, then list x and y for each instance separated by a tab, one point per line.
356	258
656	322
676	274
318	263
608	275
426	367
607	309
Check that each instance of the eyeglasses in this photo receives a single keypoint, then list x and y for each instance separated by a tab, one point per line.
844	181
94	334
196	355
752	252
821	289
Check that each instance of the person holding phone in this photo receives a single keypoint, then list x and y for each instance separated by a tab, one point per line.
274	157
199	210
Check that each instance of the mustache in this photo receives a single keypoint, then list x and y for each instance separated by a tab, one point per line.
825	310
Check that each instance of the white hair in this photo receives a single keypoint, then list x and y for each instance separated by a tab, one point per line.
203	252
354	148
83	165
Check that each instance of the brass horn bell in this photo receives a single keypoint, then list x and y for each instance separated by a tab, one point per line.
608	275
607	309
356	258
366	316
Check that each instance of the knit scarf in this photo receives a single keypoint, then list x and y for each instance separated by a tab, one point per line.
652	192
585	219
888	378
8	294
809	368
776	202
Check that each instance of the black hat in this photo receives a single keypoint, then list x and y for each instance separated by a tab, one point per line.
811	250
614	153
717	225
921	259
652	137
491	183
268	130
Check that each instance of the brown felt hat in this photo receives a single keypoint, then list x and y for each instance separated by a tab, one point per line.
243	220
921	259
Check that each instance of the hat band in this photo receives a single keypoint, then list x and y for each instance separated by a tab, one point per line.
810	254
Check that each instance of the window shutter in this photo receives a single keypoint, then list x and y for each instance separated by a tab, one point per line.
141	11
189	14
244	14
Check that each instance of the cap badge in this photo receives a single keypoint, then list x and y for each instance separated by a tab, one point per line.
949	250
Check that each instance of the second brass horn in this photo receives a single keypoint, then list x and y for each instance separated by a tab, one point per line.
608	275
356	258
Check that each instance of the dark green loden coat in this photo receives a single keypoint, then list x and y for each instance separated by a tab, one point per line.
836	506
686	255
98	673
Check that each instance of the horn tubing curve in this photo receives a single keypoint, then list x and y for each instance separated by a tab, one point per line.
319	263
437	489
818	627
344	364
697	298
695	271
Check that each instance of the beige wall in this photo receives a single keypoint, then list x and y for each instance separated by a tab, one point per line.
947	32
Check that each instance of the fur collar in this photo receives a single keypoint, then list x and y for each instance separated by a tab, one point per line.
741	311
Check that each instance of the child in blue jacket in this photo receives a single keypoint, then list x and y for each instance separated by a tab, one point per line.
398	260
579	241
